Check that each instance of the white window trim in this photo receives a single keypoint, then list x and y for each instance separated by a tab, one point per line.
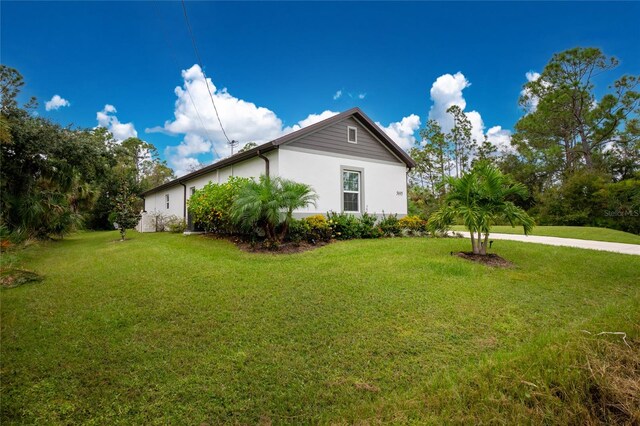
356	131
360	190
166	200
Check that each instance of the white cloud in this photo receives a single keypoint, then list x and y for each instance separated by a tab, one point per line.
311	119
338	95
532	75
402	132
362	95
533	101
500	138
445	92
183	156
56	103
120	131
182	165
108	120
243	121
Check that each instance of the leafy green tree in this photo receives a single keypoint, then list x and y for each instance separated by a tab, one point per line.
11	82
619	205
423	172
622	159
144	161
565	117
480	198
126	212
269	203
460	139
157	173
54	179
41	166
432	155
485	152
247	147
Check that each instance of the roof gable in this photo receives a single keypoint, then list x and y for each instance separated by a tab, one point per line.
333	139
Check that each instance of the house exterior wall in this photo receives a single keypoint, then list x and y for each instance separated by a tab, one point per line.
333	139
317	159
384	183
155	203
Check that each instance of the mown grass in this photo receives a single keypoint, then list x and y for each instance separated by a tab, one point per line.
168	329
579	232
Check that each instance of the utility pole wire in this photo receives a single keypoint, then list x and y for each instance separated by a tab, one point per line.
186	86
195	48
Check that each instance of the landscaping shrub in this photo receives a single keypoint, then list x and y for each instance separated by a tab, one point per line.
343	226
368	227
390	226
175	224
413	223
211	205
318	229
313	229
299	231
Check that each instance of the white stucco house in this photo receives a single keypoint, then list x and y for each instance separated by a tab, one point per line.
353	166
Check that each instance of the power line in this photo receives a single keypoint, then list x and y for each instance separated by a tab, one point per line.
186	86
195	48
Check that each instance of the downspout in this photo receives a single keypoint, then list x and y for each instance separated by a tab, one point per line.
266	163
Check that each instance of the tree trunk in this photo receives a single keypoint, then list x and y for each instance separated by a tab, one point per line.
285	228
486	242
268	232
122	232
586	149
473	243
457	154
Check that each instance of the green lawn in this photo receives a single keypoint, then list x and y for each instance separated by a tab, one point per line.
168	329
579	232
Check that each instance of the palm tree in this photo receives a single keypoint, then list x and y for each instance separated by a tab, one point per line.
269	203
481	198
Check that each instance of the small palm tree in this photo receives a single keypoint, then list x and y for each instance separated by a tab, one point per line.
480	198
269	203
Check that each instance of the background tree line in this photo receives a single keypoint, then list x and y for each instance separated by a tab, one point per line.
577	154
55	179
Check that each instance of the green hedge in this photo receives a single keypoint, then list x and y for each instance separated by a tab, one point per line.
210	207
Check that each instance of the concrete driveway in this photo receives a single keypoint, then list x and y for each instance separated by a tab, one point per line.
567	242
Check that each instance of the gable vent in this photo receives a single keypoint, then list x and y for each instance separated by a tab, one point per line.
352	134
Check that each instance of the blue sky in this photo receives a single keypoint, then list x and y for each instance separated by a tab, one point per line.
282	63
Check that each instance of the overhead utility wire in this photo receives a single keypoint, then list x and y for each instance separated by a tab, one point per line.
186	86
195	48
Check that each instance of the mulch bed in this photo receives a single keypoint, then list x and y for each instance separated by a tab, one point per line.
259	247
486	259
